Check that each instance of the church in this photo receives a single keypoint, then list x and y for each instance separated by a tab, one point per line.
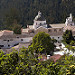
54	30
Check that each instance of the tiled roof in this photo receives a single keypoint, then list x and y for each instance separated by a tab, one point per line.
55	57
69	28
57	25
72	28
55	31
14	36
7	31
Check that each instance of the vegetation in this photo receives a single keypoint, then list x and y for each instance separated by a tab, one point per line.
24	62
67	36
12	21
42	43
17	29
55	11
69	40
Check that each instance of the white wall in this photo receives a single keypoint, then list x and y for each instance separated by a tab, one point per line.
14	41
58	38
37	24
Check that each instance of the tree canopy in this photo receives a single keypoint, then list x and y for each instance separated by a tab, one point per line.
42	43
24	62
67	36
55	11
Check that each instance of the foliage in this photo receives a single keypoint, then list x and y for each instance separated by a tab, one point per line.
70	48
72	43
67	36
12	18
67	63
21	63
17	29
55	11
42	43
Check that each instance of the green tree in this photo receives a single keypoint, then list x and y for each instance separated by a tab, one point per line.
42	43
12	19
72	43
67	36
66	64
17	29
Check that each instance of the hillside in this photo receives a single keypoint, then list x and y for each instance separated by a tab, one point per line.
55	11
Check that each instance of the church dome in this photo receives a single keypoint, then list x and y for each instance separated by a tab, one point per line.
39	17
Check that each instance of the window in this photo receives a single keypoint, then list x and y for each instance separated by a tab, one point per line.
40	24
59	29
17	37
4	40
58	37
49	30
21	39
1	45
32	31
11	39
8	40
36	23
55	30
8	45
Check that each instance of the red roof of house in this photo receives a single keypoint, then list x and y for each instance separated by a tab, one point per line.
55	57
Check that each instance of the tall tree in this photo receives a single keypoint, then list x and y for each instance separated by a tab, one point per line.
67	36
12	18
42	43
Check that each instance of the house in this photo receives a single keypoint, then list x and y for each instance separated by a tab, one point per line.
8	39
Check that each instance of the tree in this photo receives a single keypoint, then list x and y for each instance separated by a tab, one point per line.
17	29
12	18
72	43
67	36
66	64
42	43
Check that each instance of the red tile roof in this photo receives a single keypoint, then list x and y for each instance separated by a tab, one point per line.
55	57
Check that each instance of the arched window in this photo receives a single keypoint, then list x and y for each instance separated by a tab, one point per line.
36	23
40	24
55	30
49	30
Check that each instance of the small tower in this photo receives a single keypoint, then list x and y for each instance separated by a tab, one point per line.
69	20
39	21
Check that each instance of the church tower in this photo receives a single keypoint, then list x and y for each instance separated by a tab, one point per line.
69	21
39	21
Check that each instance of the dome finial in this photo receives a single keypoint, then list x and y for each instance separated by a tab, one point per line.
39	13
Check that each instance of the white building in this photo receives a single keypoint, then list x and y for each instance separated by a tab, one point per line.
39	21
8	39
